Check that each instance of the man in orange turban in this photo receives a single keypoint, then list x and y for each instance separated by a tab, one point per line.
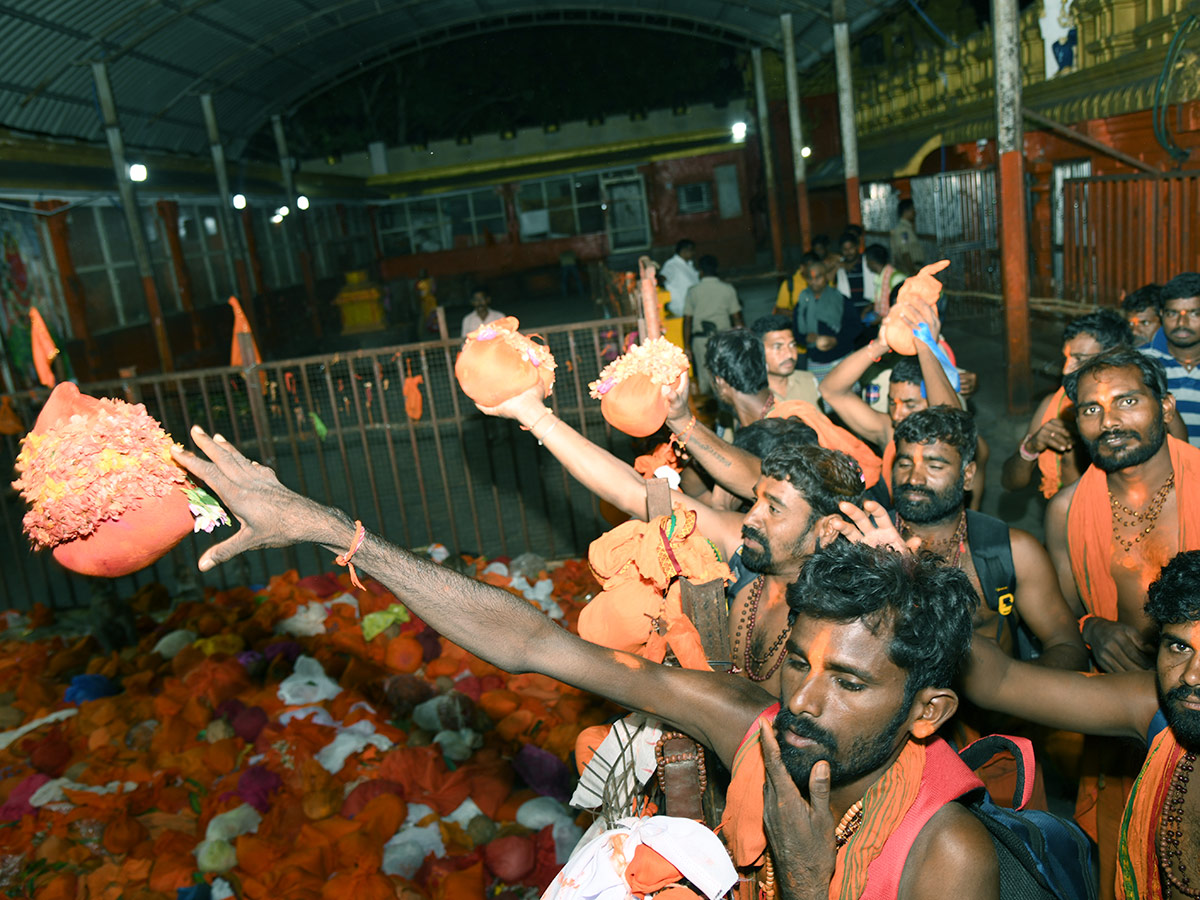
876	640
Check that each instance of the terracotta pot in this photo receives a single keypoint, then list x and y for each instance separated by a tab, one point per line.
636	406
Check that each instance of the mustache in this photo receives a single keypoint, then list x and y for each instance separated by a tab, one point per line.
916	489
1180	694
786	721
753	534
1119	433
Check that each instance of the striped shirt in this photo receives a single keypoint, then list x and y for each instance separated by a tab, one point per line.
1184	384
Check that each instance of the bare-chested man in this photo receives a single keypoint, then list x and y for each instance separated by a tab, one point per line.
1050	444
1138	505
1008	567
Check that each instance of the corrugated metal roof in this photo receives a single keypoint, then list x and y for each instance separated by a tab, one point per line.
261	57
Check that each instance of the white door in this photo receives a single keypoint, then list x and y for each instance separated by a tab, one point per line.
627	217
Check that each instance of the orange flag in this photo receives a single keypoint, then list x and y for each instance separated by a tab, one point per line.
414	403
241	325
44	349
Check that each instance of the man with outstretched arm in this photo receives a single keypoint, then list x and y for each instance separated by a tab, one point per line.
876	640
1159	707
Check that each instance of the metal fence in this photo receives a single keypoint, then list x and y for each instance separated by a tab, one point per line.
1124	231
335	428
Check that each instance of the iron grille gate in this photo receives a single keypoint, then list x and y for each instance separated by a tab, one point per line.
335	429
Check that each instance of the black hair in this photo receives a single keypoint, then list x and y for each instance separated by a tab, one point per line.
823	477
822	239
927	605
855	229
685	244
480	289
1107	327
955	427
738	358
848	237
809	258
1154	376
907	370
877	253
904	206
767	324
1146	297
763	436
1186	284
707	264
1174	597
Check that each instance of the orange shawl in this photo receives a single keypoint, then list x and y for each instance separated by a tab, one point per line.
884	807
1137	852
1050	461
1089	527
830	436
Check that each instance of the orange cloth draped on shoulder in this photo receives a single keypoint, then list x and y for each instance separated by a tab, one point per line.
637	563
1049	462
1137	850
830	436
44	348
885	805
1089	527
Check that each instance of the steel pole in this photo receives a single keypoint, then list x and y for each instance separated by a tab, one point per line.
1014	239
845	91
133	214
289	186
803	214
234	257
764	140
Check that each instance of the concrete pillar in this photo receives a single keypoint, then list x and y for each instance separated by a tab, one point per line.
234	256
1014	240
793	98
845	91
293	227
768	155
133	215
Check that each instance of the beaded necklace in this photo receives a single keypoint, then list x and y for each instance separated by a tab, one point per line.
1170	830
1122	515
956	544
752	664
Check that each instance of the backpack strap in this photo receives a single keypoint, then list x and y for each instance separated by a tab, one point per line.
946	778
977	754
991	551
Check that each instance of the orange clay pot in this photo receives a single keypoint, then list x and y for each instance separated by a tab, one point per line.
635	406
492	370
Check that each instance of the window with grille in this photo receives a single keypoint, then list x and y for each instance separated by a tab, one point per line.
694	198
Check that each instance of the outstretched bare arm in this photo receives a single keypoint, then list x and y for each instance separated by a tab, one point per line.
491	623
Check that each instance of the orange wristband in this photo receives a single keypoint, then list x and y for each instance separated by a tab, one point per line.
344	560
1083	621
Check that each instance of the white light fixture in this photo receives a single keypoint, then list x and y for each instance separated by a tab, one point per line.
739	131
239	201
282	211
806	152
137	172
301	202
276	219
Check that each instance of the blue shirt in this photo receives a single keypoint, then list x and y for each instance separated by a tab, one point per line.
1183	383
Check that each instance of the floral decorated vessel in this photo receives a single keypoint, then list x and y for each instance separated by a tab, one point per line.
497	363
630	387
102	487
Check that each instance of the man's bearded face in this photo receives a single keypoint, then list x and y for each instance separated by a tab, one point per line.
1183	719
930	481
1177	667
863	754
1120	421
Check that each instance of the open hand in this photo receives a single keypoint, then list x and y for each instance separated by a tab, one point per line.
677	400
529	404
872	526
270	514
800	831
